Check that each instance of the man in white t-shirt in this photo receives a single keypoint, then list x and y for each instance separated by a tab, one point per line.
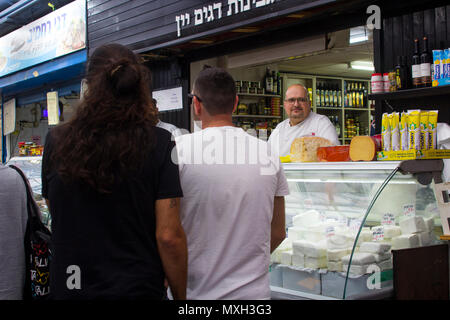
232	208
301	122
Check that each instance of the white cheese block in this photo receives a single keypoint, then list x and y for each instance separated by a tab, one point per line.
359	258
429	224
335	266
392	231
338	241
366	235
424	238
382	256
309	248
298	260
374	247
355	269
276	256
286	257
405	241
306	219
286	244
294	233
337	254
315	263
385	265
412	225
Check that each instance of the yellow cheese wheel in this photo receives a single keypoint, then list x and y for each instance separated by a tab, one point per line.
304	149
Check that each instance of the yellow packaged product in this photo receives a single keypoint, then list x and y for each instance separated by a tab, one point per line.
424	130
385	133
404	132
414	129
432	129
395	131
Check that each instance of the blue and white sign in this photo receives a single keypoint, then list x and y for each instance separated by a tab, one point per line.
61	32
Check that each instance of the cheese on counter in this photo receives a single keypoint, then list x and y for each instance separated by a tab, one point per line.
412	225
382	256
306	219
405	241
276	256
359	258
309	248
424	238
429	224
337	254
304	149
374	247
355	269
335	266
392	231
385	265
286	257
315	263
298	260
338	241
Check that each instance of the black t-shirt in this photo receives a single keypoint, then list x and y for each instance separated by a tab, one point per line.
109	238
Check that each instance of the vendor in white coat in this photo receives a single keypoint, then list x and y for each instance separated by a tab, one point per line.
301	122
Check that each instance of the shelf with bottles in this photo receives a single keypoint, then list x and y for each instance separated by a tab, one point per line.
255	116
355	94
260	128
328	93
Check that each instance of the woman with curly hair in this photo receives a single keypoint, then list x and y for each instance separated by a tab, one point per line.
113	190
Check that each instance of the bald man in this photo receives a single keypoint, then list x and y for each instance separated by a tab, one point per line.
301	122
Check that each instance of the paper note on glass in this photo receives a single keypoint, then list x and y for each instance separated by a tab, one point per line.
53	108
9	111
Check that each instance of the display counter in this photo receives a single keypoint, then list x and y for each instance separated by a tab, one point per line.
342	222
31	166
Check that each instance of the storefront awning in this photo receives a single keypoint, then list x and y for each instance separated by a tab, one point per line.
61	72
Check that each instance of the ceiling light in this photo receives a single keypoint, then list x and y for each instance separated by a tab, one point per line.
362	65
358	34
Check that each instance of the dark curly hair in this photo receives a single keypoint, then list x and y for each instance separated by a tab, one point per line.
112	132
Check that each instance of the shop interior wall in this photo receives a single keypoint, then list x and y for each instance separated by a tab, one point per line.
167	74
397	38
29	124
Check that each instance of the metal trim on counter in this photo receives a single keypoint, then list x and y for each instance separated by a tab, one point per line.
367	165
278	293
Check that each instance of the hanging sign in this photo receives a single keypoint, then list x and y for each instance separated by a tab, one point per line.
58	33
53	108
169	99
9	116
217	10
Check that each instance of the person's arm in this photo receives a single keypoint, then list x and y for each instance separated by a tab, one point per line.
172	246
278	231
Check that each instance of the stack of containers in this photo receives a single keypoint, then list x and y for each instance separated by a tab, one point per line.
441	67
275	106
414	130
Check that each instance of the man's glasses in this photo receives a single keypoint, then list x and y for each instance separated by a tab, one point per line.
299	100
191	97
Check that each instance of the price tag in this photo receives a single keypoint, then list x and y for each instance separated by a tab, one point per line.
329	232
388	219
354	224
378	233
409	210
322	216
308	203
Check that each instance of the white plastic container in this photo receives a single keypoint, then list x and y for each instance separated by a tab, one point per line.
377	83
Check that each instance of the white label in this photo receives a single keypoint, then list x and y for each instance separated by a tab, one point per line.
425	69
416	71
378	233
330	232
409	210
388	219
354	224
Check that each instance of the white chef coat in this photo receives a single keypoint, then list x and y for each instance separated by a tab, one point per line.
314	125
226	212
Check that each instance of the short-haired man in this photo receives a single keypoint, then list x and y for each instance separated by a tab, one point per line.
233	205
301	122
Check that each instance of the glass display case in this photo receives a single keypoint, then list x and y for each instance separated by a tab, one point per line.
342	222
31	166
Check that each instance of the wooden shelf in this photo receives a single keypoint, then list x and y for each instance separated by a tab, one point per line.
254	116
259	95
411	93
